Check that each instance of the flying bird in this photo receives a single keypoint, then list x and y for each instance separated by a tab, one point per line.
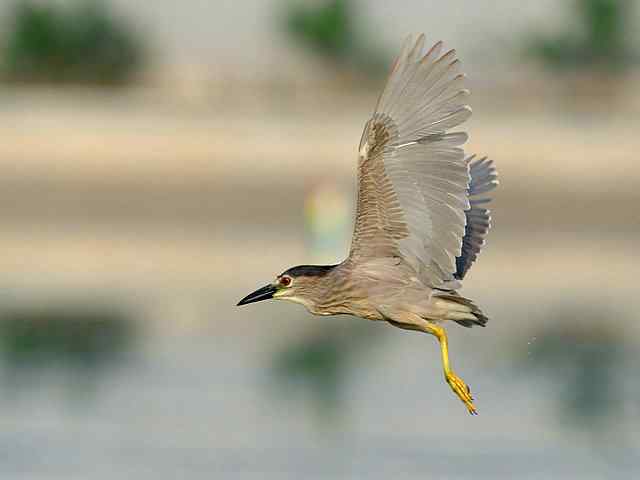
421	216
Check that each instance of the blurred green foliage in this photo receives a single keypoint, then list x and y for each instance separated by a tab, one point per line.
600	41
327	29
330	30
82	44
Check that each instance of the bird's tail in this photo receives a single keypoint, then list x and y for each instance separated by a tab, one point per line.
461	310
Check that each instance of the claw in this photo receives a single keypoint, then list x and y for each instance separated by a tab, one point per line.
462	391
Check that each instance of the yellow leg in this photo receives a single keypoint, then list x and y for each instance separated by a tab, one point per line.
457	385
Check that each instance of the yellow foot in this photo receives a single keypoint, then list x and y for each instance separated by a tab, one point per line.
462	391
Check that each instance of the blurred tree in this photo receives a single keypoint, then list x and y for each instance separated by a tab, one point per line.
328	29
331	31
83	44
600	42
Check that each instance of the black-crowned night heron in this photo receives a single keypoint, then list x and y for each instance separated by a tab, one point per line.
420	220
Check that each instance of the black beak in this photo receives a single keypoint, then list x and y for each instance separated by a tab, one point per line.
263	293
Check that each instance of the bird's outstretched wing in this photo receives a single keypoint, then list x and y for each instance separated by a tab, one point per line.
484	178
412	174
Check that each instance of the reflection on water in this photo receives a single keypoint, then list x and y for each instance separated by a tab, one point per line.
82	343
592	367
196	407
317	367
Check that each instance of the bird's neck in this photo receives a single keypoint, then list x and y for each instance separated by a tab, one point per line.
335	294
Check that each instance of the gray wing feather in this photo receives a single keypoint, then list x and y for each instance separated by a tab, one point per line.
413	178
484	178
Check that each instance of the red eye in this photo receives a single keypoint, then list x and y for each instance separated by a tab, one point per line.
286	281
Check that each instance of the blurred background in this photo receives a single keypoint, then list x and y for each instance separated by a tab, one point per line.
162	159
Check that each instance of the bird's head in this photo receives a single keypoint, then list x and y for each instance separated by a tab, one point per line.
303	284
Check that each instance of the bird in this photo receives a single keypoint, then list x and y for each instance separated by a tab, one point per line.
421	213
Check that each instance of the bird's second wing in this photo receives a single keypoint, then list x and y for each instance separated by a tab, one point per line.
484	178
412	174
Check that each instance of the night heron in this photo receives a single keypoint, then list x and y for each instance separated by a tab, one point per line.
421	218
